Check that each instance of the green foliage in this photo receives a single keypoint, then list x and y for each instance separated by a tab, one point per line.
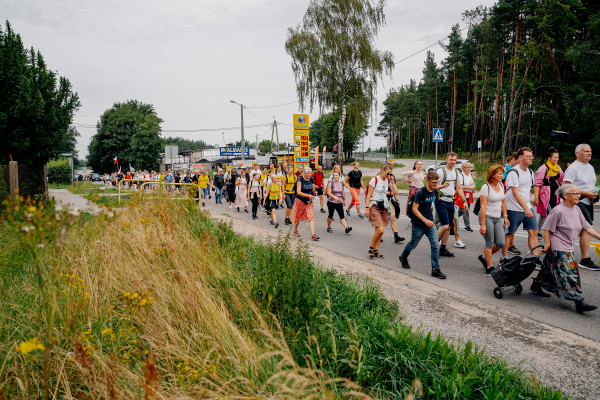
129	131
334	60
59	171
183	144
4	192
523	69
36	105
324	131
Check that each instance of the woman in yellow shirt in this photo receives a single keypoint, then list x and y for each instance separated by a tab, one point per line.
290	193
273	198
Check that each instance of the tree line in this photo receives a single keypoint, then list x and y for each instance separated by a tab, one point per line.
525	74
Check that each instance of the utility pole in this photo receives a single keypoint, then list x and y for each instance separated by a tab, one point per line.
257	144
274	131
243	150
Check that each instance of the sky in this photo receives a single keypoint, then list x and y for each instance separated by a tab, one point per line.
190	58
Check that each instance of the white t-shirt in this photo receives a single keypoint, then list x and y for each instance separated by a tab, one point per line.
447	193
466	181
380	188
493	206
583	176
254	172
524	181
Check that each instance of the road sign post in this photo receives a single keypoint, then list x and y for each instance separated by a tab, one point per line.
438	136
301	140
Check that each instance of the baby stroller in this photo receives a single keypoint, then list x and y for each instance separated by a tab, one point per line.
513	271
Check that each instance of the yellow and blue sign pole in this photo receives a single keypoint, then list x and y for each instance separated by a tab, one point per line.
301	141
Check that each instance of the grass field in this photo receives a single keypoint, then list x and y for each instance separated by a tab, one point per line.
158	301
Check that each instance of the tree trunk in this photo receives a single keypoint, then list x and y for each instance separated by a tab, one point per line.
341	137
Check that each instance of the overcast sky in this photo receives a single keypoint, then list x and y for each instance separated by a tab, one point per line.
190	57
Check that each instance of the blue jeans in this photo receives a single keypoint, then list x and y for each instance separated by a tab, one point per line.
432	235
204	192
218	194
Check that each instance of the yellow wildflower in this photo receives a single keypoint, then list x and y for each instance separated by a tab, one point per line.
106	331
29	346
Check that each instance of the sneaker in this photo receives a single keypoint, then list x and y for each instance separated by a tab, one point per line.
587	263
537	289
468	229
287	221
203	204
481	259
514	250
348	229
437	273
581	307
460	244
271	222
329	230
404	262
245	210
398	239
347	212
361	216
446	253
322	211
230	206
276	225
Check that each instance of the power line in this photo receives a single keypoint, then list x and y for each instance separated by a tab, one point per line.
216	129
439	42
276	105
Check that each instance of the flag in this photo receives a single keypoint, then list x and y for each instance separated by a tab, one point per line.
115	160
131	169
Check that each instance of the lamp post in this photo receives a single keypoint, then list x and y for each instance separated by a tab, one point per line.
70	155
243	142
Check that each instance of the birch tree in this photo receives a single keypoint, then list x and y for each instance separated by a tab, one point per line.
334	59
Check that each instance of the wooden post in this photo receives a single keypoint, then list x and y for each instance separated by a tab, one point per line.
13	170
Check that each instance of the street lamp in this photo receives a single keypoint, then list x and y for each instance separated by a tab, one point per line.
243	143
70	162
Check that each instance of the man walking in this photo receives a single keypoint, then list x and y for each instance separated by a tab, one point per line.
319	177
354	180
218	183
449	186
581	174
518	184
421	215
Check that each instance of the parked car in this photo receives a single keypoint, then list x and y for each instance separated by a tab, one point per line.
432	167
96	177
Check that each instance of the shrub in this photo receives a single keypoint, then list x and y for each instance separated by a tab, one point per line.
3	186
59	171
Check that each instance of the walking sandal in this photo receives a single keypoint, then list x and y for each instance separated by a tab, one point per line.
377	254
371	253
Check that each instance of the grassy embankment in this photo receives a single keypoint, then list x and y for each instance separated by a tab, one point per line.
161	302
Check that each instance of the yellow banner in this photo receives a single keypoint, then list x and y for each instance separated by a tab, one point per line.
301	121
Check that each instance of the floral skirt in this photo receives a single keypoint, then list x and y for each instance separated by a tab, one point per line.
560	275
303	212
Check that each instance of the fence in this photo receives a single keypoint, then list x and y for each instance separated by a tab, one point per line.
29	181
371	156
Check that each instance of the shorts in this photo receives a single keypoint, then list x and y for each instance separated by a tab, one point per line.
517	217
444	211
320	191
272	204
289	200
588	212
378	216
355	193
333	207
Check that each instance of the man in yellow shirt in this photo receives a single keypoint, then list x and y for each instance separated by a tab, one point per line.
205	185
290	193
274	198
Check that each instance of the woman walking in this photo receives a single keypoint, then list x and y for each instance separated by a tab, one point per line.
303	205
415	179
392	196
336	201
493	215
468	185
377	206
241	197
255	194
230	185
547	179
560	271
273	199
289	193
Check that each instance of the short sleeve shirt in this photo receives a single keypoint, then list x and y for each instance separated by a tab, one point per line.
523	179
493	206
583	176
447	193
355	179
380	188
565	224
425	199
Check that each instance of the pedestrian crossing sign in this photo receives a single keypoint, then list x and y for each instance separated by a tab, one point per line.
438	134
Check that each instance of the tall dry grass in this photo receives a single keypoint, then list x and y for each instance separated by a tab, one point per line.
141	304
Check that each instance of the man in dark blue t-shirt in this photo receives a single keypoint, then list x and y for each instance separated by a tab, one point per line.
422	224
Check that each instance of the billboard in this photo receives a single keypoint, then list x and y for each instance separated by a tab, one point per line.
301	141
235	151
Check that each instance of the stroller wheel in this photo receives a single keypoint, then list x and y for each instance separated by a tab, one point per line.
518	288
498	293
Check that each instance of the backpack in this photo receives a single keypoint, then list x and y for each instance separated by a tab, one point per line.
411	200
517	172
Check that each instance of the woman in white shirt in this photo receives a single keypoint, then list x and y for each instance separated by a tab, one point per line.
415	178
493	215
377	206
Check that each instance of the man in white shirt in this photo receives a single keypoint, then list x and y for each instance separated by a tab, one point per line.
518	184
444	206
581	174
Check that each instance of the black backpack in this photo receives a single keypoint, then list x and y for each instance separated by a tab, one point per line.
409	213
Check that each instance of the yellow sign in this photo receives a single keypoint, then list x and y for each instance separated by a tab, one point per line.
301	141
301	121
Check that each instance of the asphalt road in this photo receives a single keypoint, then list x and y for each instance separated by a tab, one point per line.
465	273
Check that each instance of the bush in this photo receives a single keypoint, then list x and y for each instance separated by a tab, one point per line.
59	171
3	187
